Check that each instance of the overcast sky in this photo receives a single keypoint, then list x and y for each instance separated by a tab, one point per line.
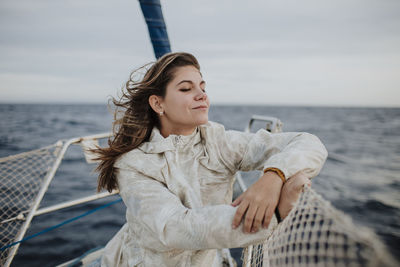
320	53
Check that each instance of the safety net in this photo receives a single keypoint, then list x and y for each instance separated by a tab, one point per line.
22	176
317	234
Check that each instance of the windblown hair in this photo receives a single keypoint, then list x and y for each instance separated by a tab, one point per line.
138	118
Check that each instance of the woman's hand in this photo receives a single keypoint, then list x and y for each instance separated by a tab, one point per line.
258	203
291	192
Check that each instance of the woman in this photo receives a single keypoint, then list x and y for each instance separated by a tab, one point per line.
175	171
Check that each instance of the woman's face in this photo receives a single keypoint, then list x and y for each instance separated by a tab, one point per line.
185	104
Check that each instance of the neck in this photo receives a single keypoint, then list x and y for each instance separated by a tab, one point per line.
166	131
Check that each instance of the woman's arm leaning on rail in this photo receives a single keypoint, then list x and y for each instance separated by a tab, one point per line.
290	153
166	224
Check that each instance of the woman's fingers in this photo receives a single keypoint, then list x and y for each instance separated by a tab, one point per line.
249	218
252	215
268	216
291	192
258	219
239	214
237	201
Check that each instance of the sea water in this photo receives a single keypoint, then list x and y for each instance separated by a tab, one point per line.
364	181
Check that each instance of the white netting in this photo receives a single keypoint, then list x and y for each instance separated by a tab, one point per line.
317	234
21	178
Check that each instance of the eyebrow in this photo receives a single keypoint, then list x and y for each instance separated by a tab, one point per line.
189	81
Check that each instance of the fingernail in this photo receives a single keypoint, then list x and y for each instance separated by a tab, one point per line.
234	226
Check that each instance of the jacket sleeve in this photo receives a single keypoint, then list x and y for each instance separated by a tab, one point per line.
166	224
290	152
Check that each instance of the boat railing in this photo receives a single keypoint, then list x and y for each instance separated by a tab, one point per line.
15	220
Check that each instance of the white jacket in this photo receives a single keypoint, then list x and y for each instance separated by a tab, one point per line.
178	191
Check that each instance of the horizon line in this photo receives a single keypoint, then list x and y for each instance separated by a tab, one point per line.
213	104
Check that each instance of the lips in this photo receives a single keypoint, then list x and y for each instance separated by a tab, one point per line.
202	106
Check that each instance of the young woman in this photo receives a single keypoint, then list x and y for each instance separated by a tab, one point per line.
175	171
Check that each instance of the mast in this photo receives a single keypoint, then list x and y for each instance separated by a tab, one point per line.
155	23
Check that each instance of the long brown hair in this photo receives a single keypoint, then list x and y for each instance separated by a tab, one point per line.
134	119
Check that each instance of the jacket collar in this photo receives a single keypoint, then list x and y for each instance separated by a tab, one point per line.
158	144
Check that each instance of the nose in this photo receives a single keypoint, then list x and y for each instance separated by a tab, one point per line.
201	95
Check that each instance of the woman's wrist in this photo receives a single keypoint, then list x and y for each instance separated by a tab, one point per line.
278	173
272	177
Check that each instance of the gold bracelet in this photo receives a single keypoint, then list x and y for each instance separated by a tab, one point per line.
277	171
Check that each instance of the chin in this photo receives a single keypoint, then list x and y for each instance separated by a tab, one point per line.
201	121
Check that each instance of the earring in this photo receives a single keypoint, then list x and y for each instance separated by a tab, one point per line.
161	113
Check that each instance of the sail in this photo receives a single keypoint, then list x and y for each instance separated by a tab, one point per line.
155	23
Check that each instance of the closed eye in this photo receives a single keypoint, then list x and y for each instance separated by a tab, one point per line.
184	89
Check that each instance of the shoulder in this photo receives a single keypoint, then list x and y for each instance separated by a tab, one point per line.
212	129
125	160
139	160
137	164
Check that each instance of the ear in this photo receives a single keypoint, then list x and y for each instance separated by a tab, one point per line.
156	103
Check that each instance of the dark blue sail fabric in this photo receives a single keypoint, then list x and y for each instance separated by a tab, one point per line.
155	22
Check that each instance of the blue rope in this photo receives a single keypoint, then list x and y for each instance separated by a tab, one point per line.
61	224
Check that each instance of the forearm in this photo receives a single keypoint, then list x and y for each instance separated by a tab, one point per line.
304	152
207	228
